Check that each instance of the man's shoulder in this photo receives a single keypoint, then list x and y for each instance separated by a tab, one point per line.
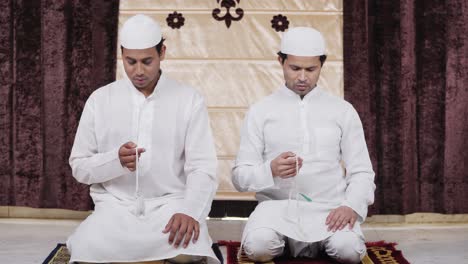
266	103
332	100
105	90
180	88
336	106
182	92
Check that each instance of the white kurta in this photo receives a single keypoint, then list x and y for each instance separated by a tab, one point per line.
324	130
176	173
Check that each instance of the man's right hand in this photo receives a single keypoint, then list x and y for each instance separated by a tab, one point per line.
284	165
127	155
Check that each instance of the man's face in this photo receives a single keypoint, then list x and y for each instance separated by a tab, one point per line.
301	73
142	66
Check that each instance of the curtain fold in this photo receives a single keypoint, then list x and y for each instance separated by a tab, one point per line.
54	54
406	72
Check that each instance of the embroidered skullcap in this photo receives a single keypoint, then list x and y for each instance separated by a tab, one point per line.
303	41
140	32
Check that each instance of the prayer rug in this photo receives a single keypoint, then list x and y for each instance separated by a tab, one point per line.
377	253
60	255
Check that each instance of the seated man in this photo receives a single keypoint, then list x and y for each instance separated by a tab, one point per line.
152	207
293	145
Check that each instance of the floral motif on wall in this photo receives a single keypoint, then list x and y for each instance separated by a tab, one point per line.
280	23
228	18
175	20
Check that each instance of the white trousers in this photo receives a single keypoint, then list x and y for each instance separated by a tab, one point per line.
263	244
180	259
113	234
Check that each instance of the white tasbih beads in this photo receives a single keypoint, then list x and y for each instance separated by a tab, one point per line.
139	202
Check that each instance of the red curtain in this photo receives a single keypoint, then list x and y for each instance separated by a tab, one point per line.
53	54
406	72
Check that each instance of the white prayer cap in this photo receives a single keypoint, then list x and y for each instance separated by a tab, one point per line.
303	41
140	32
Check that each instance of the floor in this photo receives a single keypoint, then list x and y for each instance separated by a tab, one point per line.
26	241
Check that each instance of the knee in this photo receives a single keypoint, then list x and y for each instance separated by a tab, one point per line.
346	247
263	245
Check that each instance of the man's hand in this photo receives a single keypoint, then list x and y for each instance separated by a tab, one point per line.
181	225
284	165
127	155
340	217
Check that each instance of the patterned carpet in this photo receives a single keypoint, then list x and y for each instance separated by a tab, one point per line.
60	255
377	253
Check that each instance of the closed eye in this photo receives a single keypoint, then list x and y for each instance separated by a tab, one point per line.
130	61
147	61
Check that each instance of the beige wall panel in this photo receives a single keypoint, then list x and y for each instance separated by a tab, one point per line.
273	5
226	190
331	78
233	68
234	195
224	176
226	127
239	83
252	38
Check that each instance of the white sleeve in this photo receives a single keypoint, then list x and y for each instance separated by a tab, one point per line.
200	165
359	174
251	173
89	166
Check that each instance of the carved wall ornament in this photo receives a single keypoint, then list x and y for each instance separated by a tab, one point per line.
228	18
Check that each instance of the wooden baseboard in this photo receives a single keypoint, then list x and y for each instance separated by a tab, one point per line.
41	213
50	213
418	218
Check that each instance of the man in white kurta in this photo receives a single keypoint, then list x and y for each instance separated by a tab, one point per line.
154	207
294	144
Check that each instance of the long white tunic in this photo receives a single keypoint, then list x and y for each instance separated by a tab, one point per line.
176	173
327	133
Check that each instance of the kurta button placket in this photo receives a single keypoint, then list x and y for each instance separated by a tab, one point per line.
143	118
305	131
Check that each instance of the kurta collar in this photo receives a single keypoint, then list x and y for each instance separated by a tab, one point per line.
308	97
159	86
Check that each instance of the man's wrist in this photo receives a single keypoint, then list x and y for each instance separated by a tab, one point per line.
273	173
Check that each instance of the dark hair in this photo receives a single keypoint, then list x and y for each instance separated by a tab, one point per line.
283	57
158	47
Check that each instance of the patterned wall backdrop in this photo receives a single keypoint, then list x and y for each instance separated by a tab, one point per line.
226	49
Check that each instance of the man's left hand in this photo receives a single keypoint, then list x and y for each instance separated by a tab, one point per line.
180	226
340	217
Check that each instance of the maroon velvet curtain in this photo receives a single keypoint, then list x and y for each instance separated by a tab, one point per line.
406	72
53	54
